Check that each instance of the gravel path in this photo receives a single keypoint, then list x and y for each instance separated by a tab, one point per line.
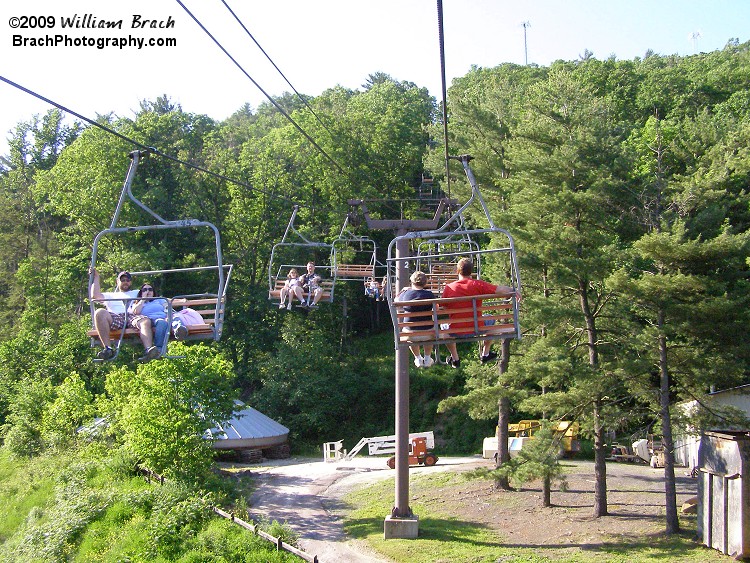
306	493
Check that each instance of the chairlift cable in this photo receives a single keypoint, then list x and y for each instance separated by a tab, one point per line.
142	146
78	115
270	98
302	99
441	39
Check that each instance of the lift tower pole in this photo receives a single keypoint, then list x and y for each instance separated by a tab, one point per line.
401	522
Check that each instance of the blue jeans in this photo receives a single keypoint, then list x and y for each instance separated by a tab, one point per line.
488	322
161	328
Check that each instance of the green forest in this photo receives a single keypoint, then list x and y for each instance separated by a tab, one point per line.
625	185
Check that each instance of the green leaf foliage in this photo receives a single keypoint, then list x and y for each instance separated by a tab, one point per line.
163	409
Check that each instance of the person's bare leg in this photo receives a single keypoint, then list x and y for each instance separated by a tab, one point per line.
318	295
299	293
146	334
452	349
102	323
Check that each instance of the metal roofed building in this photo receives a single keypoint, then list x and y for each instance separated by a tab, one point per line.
248	429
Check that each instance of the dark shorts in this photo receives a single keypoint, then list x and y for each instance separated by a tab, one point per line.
118	320
488	322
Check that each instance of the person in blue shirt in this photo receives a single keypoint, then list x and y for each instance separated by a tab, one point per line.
413	293
155	308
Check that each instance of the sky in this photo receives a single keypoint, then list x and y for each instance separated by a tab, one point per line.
316	45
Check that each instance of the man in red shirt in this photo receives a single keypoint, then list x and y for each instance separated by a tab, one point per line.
466	285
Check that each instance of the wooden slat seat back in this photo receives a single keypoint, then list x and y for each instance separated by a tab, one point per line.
443	268
205	306
496	307
355	270
326	284
438	278
437	282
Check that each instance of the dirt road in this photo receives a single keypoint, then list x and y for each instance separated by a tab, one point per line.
305	494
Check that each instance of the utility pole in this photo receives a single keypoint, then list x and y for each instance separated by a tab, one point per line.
694	36
401	522
525	25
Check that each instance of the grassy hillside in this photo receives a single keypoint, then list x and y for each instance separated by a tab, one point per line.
79	507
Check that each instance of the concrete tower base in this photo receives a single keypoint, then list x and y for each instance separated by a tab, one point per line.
401	528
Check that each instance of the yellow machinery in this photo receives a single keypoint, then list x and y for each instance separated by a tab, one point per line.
518	433
564	430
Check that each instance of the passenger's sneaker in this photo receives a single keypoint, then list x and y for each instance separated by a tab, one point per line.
152	353
428	361
281	305
106	353
489	357
289	307
419	361
181	332
454	363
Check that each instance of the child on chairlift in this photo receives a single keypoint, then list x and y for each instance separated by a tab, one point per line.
292	281
372	288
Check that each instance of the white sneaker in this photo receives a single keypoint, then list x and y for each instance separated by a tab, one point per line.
419	361
289	307
428	361
281	305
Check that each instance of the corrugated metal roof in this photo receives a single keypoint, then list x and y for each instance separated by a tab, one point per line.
249	428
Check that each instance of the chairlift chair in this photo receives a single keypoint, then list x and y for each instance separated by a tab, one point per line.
353	257
438	257
499	266
288	254
211	305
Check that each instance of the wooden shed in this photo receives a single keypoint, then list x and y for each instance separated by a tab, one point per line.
686	445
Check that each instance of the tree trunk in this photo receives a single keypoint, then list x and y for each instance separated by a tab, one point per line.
344	314
600	465
502	455
546	491
673	522
667	443
503	415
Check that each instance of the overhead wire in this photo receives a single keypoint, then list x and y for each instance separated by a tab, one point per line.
441	39
153	150
270	98
189	164
302	99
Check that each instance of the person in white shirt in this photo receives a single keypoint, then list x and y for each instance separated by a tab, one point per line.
290	289
113	315
310	283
